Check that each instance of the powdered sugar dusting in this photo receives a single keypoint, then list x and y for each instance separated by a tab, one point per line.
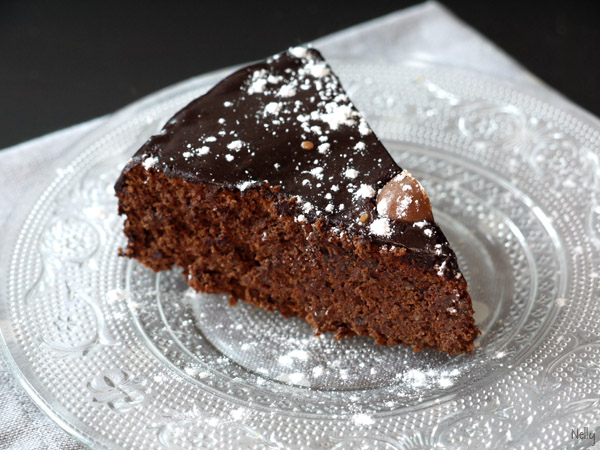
258	82
317	172
362	419
235	145
441	268
149	162
318	70
381	227
365	191
238	414
273	108
324	148
298	52
364	129
416	379
287	90
297	378
245	185
351	173
360	146
115	295
336	115
307	207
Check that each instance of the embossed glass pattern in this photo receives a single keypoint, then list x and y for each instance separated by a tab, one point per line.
122	357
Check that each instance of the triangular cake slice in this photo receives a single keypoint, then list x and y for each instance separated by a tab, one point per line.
273	189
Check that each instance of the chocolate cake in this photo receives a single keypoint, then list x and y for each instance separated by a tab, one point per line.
273	189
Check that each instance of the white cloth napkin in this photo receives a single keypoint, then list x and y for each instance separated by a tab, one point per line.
424	32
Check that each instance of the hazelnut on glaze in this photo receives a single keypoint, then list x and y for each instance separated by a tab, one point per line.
307	145
404	199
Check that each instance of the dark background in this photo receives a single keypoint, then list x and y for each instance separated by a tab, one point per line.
63	62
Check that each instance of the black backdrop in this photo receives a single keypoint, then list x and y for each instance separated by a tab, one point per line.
63	62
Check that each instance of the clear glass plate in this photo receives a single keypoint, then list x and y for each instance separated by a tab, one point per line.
125	358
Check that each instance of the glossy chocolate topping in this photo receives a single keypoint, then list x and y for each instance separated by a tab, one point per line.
288	122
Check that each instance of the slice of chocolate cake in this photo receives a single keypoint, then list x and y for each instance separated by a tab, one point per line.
273	189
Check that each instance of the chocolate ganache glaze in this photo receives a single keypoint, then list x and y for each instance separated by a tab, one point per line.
288	123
